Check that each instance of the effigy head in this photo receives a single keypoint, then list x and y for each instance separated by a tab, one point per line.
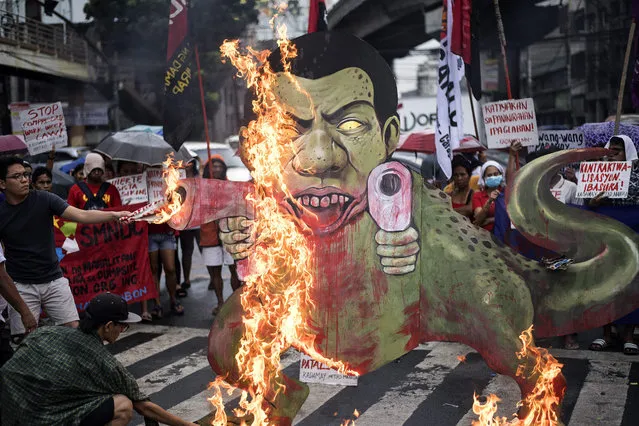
342	100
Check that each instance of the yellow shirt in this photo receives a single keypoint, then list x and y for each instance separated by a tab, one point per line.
473	183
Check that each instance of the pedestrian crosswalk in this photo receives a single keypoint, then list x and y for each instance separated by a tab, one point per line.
428	386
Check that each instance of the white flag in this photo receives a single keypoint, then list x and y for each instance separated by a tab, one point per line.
450	120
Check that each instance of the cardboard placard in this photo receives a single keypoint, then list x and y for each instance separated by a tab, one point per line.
44	128
561	139
312	371
155	184
610	177
133	189
510	121
16	123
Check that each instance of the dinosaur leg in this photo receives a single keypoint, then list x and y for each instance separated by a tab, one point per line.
536	372
224	342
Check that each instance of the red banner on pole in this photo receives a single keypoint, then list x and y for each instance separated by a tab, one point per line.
104	257
317	16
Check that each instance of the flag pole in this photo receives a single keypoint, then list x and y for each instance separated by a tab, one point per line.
472	107
204	115
624	75
502	42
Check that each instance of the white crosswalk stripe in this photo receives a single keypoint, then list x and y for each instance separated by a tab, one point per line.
599	396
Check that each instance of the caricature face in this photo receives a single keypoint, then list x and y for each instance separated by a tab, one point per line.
340	141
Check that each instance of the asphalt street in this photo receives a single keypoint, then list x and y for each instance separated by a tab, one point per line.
428	386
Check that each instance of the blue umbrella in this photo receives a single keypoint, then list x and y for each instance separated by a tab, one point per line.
597	134
67	168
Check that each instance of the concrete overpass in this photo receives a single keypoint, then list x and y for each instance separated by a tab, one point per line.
394	27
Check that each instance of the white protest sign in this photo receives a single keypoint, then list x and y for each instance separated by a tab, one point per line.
155	185
561	139
610	177
312	371
16	108
132	189
44	128
510	121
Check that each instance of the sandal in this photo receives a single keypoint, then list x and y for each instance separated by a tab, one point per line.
177	308
630	348
186	284
157	312
599	345
146	317
181	292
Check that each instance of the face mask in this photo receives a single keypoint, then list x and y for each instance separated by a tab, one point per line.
493	181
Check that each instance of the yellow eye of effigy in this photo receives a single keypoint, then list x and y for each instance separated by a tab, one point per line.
349	125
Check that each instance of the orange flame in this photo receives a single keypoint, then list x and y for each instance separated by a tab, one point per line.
351	422
542	403
276	293
461	358
171	176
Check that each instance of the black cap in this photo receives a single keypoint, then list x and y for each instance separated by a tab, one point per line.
107	307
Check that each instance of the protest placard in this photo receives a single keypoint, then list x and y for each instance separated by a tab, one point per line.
609	177
44	128
155	184
16	123
103	257
133	189
510	121
560	139
312	371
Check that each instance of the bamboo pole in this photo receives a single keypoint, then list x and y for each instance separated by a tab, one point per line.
502	42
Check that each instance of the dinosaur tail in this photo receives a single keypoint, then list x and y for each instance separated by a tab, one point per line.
603	283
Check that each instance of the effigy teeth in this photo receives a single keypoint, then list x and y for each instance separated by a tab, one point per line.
148	213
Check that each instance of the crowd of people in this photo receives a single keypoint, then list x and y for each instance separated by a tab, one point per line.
477	190
32	283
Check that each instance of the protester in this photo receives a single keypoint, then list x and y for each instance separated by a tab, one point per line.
63	376
128	168
162	248
481	159
9	292
213	253
26	231
491	183
42	179
625	210
188	237
109	172
461	193
95	193
78	173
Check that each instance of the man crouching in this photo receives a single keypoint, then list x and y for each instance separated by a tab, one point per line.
65	376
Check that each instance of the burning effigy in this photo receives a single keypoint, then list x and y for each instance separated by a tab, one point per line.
350	258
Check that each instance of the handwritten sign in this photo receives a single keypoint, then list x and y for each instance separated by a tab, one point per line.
312	371
610	177
44	128
510	121
560	139
133	189
155	185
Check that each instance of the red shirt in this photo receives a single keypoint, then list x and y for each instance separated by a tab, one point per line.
78	199
209	235
479	200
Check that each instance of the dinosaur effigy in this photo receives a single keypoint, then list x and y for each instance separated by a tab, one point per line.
389	264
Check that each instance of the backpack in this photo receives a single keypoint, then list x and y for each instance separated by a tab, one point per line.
94	202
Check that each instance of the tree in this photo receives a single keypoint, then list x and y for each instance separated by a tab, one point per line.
138	29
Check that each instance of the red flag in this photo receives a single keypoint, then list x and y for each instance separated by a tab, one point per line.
179	76
461	39
317	16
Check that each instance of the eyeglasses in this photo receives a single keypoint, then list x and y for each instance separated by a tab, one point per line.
20	176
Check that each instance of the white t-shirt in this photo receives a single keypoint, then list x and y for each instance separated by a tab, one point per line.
566	191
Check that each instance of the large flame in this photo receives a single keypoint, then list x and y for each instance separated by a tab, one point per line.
276	295
173	200
542	403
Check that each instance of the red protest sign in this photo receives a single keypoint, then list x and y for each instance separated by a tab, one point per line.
103	257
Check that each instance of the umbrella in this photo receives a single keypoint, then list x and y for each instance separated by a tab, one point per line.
597	134
418	142
184	155
158	130
469	144
68	168
138	147
13	144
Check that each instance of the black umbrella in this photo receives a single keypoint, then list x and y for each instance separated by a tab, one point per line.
138	147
